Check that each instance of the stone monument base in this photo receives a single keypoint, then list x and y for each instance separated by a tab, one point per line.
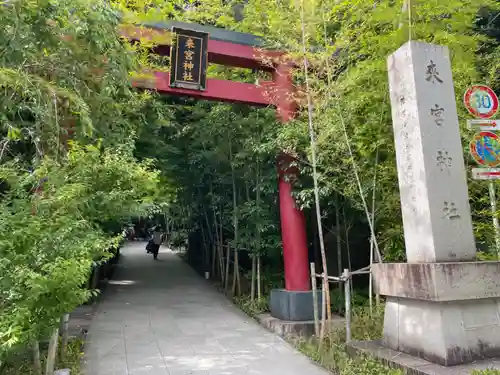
445	313
412	365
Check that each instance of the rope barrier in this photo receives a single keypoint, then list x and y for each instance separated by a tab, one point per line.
346	279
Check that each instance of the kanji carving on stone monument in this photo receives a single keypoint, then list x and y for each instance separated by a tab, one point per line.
450	211
437	112
443	160
432	74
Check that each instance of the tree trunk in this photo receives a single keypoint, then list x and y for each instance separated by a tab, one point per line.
216	243
220	252
210	239
235	273
213	253
256	257
253	255
221	249
254	271
228	264
52	353
238	276
204	249
37	363
167	228
259	288
235	222
65	336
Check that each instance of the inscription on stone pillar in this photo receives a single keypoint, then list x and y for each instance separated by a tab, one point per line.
431	171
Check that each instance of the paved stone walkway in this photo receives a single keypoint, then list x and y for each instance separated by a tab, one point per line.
161	318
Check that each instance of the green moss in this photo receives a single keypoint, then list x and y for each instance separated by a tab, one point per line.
252	307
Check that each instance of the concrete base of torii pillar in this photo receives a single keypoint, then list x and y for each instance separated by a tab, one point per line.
442	308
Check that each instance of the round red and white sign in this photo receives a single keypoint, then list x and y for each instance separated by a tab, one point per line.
481	101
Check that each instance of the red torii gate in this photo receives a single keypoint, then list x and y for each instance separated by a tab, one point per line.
241	50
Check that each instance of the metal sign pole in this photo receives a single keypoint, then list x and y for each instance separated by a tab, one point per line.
482	102
493	202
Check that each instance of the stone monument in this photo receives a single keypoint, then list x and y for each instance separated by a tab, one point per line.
442	306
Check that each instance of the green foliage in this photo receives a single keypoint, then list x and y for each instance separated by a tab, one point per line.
49	240
484	256
63	69
359	299
332	354
253	308
486	372
68	176
21	363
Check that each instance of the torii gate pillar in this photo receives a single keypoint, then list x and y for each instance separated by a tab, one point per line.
295	302
293	232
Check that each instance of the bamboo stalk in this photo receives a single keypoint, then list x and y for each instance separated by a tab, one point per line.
315	299
312	137
339	243
220	249
255	258
323	313
236	270
347	289
348	247
370	283
216	240
372	243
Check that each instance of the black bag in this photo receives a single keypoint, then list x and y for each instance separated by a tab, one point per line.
149	246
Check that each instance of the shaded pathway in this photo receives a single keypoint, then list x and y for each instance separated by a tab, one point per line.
161	318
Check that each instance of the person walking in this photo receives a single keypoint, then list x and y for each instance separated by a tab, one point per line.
158	239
